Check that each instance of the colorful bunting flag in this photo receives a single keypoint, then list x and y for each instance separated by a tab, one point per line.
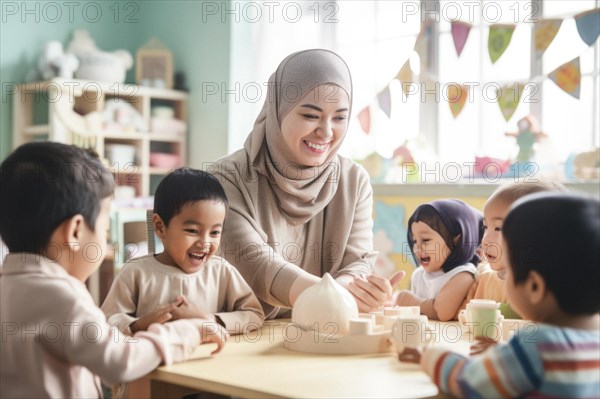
405	76
544	32
457	97
460	33
568	77
364	118
588	25
508	99
499	39
385	101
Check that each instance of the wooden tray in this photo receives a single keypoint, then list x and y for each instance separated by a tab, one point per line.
311	341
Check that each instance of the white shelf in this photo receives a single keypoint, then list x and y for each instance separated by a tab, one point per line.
36	130
89	96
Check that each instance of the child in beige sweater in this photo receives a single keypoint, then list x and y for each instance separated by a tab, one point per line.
54	211
186	280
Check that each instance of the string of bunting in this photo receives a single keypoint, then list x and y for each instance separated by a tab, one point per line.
567	76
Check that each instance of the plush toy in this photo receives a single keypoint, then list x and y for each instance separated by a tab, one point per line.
529	133
54	62
96	64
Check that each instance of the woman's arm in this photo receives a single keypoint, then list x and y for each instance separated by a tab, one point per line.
246	246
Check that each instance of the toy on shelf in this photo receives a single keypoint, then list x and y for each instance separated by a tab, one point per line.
54	62
527	136
490	167
584	166
98	65
121	116
154	65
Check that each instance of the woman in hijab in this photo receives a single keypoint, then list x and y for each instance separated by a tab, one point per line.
299	210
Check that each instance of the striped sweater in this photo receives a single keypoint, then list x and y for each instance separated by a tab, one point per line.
542	362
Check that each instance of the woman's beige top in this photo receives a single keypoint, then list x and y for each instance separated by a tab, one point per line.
284	216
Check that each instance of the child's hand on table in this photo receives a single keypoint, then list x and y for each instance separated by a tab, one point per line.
187	310
410	355
159	315
212	332
481	345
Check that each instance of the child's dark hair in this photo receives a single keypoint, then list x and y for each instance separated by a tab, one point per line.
185	185
558	236
42	185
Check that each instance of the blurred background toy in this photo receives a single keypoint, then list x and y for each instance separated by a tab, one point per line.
527	136
54	62
98	65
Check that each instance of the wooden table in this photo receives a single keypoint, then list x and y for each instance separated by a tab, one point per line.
257	365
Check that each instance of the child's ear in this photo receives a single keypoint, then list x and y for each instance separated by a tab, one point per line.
536	286
159	226
70	233
72	230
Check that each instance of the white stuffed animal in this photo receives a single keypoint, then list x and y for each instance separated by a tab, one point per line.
96	64
55	62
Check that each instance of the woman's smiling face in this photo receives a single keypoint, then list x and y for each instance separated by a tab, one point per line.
315	126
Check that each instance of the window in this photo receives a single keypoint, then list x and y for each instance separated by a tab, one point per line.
377	37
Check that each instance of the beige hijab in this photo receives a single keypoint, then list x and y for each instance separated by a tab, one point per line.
302	191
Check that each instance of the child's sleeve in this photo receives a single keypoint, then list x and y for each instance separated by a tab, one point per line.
242	311
92	343
120	304
509	371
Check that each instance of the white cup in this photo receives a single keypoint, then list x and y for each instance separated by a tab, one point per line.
411	332
482	318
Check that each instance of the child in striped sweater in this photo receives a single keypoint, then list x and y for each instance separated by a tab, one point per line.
552	243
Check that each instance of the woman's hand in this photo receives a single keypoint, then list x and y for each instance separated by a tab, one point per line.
159	315
373	292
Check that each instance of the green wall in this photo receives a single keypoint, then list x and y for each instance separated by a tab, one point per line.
200	50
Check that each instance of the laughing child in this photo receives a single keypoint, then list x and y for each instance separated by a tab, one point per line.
443	236
186	280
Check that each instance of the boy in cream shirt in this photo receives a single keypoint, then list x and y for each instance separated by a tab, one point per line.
185	280
54	208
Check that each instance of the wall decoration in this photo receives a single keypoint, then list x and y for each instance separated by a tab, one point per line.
544	32
457	97
509	97
499	39
568	77
405	76
364	118
384	98
460	33
588	25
